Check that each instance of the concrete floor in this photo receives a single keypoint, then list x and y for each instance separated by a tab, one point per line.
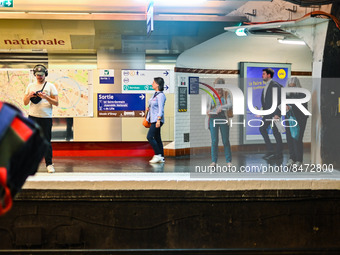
182	173
172	165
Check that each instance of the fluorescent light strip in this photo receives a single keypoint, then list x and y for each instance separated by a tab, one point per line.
12	12
295	42
61	13
176	2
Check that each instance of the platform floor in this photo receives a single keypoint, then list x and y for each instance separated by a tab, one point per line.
172	164
181	173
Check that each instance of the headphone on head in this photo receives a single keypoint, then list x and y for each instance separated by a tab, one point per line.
40	68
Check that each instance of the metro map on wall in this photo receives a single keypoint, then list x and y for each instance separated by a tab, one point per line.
74	90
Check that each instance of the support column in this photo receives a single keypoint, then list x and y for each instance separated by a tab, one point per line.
330	94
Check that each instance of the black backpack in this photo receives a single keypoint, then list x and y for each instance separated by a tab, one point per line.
22	147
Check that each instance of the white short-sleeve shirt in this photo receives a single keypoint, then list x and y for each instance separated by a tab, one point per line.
43	109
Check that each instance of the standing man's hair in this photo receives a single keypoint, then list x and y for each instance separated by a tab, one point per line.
269	71
219	81
160	82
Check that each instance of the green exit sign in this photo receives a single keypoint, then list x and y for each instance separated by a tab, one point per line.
7	3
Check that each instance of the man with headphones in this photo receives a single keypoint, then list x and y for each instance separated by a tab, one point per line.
41	96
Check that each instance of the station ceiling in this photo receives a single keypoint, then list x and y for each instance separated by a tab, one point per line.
120	25
208	7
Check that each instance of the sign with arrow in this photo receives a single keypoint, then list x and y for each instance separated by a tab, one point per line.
121	105
7	3
140	81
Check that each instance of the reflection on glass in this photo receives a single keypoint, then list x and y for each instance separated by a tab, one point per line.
62	129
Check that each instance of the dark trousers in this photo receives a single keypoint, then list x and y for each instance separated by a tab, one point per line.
46	126
69	129
276	133
295	146
154	138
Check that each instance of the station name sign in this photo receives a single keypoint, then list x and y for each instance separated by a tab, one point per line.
35	40
27	41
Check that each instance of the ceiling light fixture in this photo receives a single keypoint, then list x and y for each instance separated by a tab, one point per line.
60	13
291	41
177	2
241	32
12	12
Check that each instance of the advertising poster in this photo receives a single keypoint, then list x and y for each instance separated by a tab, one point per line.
252	78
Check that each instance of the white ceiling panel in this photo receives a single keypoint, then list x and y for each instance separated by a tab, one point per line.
219	7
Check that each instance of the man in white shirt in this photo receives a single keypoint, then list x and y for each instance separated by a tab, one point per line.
41	96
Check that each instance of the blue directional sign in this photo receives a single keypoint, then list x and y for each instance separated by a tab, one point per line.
121	105
6	3
106	76
139	81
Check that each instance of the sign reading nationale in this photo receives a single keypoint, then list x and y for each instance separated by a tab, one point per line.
121	105
140	81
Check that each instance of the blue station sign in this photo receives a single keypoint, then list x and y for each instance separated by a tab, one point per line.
121	105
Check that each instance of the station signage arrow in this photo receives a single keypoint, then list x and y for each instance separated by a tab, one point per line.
6	3
140	81
121	105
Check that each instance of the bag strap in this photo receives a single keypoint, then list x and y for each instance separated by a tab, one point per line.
43	86
156	94
290	113
7	115
7	200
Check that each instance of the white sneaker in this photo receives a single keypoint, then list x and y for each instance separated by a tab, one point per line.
156	159
50	169
162	160
229	164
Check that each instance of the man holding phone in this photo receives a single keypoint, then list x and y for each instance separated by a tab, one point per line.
41	96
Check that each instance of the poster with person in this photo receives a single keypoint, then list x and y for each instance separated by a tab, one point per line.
251	74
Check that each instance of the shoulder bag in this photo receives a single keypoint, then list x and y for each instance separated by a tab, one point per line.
36	99
146	123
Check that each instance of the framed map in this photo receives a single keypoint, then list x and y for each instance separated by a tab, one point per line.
75	90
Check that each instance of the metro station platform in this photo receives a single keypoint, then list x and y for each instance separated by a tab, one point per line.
111	205
178	173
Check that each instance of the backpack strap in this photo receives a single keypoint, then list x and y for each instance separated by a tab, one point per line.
7	114
7	203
